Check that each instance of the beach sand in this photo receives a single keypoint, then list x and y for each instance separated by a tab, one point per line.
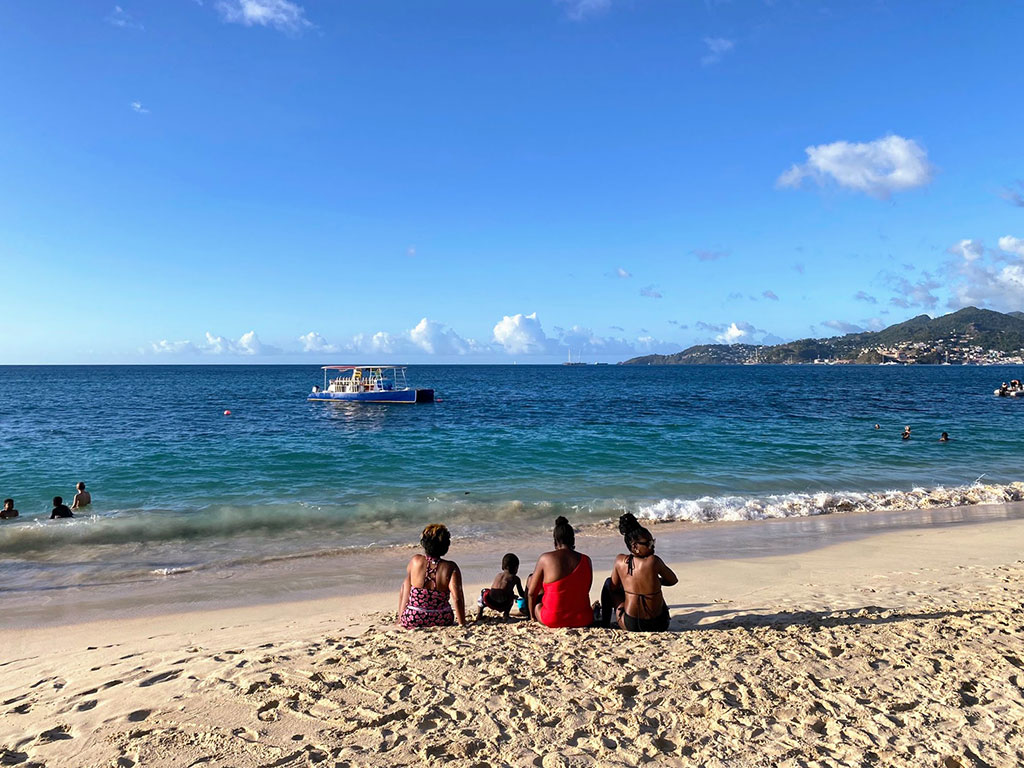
904	648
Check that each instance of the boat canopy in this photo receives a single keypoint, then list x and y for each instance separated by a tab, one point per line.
357	367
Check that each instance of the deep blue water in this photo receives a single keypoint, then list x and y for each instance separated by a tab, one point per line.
177	484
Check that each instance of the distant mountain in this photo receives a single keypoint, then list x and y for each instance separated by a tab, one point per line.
967	336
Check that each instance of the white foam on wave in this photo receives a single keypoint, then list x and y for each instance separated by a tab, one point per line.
710	509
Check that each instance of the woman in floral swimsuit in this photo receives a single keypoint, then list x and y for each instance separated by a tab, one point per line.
429	583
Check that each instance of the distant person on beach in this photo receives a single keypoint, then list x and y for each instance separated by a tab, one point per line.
906	432
60	509
501	595
944	437
429	584
634	589
82	499
558	592
8	512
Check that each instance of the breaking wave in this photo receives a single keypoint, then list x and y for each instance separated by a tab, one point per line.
711	509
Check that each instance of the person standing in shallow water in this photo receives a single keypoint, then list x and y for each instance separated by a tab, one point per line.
425	598
8	512
634	590
82	499
558	592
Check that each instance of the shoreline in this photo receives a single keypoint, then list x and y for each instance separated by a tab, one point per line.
900	648
360	574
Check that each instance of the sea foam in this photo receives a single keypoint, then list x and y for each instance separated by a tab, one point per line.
710	509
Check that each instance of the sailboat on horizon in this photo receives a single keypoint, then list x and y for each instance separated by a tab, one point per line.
579	360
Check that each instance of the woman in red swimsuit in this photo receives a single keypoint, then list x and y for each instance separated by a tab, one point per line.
429	583
559	589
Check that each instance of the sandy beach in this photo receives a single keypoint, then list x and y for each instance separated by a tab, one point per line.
900	648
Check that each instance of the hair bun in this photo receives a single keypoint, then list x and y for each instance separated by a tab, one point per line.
560	520
627	523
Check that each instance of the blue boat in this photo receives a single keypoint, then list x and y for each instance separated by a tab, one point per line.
368	384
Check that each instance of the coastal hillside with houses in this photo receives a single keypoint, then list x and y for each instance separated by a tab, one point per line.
970	336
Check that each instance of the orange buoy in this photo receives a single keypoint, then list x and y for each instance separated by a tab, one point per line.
227	413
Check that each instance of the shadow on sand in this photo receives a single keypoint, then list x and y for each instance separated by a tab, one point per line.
864	616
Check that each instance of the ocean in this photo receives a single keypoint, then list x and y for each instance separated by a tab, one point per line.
178	486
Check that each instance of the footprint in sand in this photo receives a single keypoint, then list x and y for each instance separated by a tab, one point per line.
58	733
163	677
268	711
139	715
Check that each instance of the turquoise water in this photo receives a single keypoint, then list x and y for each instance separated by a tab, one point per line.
179	486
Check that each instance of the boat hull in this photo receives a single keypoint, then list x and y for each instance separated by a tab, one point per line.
393	396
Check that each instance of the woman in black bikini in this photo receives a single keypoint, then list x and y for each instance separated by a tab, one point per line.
634	589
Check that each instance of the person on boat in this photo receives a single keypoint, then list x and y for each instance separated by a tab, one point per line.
82	499
8	512
944	437
501	595
634	590
906	432
558	592
429	584
60	509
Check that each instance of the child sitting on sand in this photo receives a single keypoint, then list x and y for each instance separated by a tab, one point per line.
501	595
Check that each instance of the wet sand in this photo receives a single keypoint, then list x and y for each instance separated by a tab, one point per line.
844	647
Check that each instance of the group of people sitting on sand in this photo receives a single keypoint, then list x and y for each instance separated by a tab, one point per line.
82	500
557	593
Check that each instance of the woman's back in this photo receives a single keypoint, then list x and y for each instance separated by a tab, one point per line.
642	586
559	563
430	573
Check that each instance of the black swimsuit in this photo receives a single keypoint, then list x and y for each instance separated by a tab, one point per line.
632	623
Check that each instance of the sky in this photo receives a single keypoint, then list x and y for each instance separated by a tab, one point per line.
488	181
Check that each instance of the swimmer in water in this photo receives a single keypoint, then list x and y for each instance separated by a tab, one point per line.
8	512
877	427
944	437
906	432
82	499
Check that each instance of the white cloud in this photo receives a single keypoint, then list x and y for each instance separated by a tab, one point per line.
137	107
248	345
997	281
968	250
865	297
581	9
877	168
650	292
769	295
282	15
314	342
165	347
732	334
522	334
435	339
119	17
1012	245
916	294
622	273
842	327
717	48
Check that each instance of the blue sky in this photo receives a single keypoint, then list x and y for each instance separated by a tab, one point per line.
340	180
